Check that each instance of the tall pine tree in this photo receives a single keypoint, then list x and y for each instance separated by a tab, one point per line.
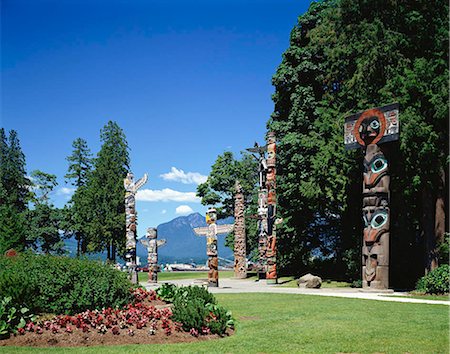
76	213
14	193
106	193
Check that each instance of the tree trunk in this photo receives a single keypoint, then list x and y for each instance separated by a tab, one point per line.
439	218
113	252
428	228
78	243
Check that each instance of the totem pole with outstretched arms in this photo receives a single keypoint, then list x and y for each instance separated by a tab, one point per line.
131	188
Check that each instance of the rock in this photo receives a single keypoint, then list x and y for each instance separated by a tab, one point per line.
309	281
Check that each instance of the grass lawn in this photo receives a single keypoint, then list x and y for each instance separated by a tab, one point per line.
425	297
269	323
184	275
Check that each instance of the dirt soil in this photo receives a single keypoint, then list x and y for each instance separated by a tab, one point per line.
80	339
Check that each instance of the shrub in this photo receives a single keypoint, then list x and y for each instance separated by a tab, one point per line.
435	282
62	285
11	319
196	309
167	292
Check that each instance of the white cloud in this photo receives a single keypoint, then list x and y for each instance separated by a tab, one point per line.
183	210
177	175
163	211
65	191
166	195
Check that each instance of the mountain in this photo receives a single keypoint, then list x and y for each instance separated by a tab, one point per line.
182	246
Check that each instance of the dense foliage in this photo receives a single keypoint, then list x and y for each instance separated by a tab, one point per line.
11	317
196	309
62	285
344	57
436	281
219	191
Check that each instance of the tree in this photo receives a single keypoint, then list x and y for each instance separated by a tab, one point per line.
105	193
44	219
76	213
219	191
345	57
14	193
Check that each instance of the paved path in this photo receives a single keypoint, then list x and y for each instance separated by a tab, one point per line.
232	286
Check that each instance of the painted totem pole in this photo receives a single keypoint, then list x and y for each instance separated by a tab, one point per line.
262	208
131	188
271	248
152	245
369	130
240	248
211	232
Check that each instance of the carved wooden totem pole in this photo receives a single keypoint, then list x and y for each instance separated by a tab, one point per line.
271	248
240	248
131	188
262	208
152	245
211	232
370	130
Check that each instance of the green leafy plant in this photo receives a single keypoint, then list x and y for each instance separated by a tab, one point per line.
60	285
435	282
219	319
167	292
11	318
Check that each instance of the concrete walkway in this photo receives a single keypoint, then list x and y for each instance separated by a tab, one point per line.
233	286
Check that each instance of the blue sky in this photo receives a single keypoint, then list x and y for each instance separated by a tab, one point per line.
186	81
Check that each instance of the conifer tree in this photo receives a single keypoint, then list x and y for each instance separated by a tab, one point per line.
106	192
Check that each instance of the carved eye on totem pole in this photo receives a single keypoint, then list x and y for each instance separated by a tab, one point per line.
375	224
374	170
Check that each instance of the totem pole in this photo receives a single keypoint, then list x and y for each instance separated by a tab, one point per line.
262	209
211	232
370	130
152	245
131	188
271	249
240	249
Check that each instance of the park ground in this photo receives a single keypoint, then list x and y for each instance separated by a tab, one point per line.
305	323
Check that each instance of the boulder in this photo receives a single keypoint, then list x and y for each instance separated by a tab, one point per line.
309	281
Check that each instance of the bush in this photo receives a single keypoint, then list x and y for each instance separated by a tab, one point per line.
62	285
435	282
11	318
196	309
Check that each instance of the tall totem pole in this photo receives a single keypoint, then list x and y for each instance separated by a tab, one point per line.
370	130
240	247
271	248
211	232
267	202
131	188
262	208
152	245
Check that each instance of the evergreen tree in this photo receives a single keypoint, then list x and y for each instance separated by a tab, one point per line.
219	191
76	213
14	193
106	193
44	218
345	57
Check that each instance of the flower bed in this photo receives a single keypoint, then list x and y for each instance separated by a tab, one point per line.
147	319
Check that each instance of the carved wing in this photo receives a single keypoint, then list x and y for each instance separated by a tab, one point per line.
161	243
224	229
201	231
141	182
144	242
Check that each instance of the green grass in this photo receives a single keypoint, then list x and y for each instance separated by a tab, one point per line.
163	276
424	297
287	323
